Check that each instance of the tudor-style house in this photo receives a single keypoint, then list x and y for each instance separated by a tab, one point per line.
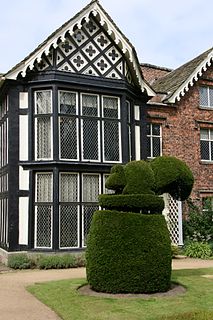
75	106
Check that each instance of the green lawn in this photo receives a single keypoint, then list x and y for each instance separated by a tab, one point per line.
195	304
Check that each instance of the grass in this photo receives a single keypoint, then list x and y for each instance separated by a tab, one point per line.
195	304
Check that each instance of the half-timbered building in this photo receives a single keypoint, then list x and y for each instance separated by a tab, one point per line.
79	103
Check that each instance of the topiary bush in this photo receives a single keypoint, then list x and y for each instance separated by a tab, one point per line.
172	176
144	203
128	252
131	251
139	178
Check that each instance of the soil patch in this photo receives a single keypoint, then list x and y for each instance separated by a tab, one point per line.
175	290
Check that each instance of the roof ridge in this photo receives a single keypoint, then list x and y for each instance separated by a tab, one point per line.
149	65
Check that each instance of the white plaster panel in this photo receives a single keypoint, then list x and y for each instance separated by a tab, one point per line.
23	100
23	220
23	137
137	113
23	179
137	143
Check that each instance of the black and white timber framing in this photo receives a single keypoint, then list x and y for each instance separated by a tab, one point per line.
69	111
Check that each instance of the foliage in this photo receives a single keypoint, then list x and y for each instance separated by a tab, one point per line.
45	261
175	250
139	178
134	255
198	250
195	304
19	261
199	224
116	181
144	203
172	176
56	261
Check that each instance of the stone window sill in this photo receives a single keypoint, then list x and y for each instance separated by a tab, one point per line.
206	162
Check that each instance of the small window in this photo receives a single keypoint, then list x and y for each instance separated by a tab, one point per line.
207	203
206	97
206	144
154	140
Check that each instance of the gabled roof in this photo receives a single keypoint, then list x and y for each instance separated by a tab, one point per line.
178	82
96	10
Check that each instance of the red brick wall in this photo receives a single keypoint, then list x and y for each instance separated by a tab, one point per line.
181	134
152	73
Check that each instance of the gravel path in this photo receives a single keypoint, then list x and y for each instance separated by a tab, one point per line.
18	304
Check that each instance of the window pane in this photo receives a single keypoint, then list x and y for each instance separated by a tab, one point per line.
205	152
148	146
89	105
43	102
43	232
91	188
68	138
68	187
111	141
204	134
44	187
43	138
88	211
110	107
148	129
204	96
90	140
155	129
156	147
211	96
211	146
211	135
67	102
68	226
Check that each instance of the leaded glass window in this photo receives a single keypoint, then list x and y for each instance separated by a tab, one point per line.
111	129
68	125
69	210
90	190
206	97
154	140
43	210
206	144
43	125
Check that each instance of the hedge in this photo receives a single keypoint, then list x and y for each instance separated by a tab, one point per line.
140	178
146	203
172	176
128	253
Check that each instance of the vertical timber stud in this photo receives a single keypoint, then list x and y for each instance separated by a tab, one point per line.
143	121
13	159
124	130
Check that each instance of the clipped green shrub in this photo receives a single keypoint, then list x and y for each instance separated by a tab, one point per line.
145	203
19	261
140	178
56	261
198	250
172	176
116	181
128	252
